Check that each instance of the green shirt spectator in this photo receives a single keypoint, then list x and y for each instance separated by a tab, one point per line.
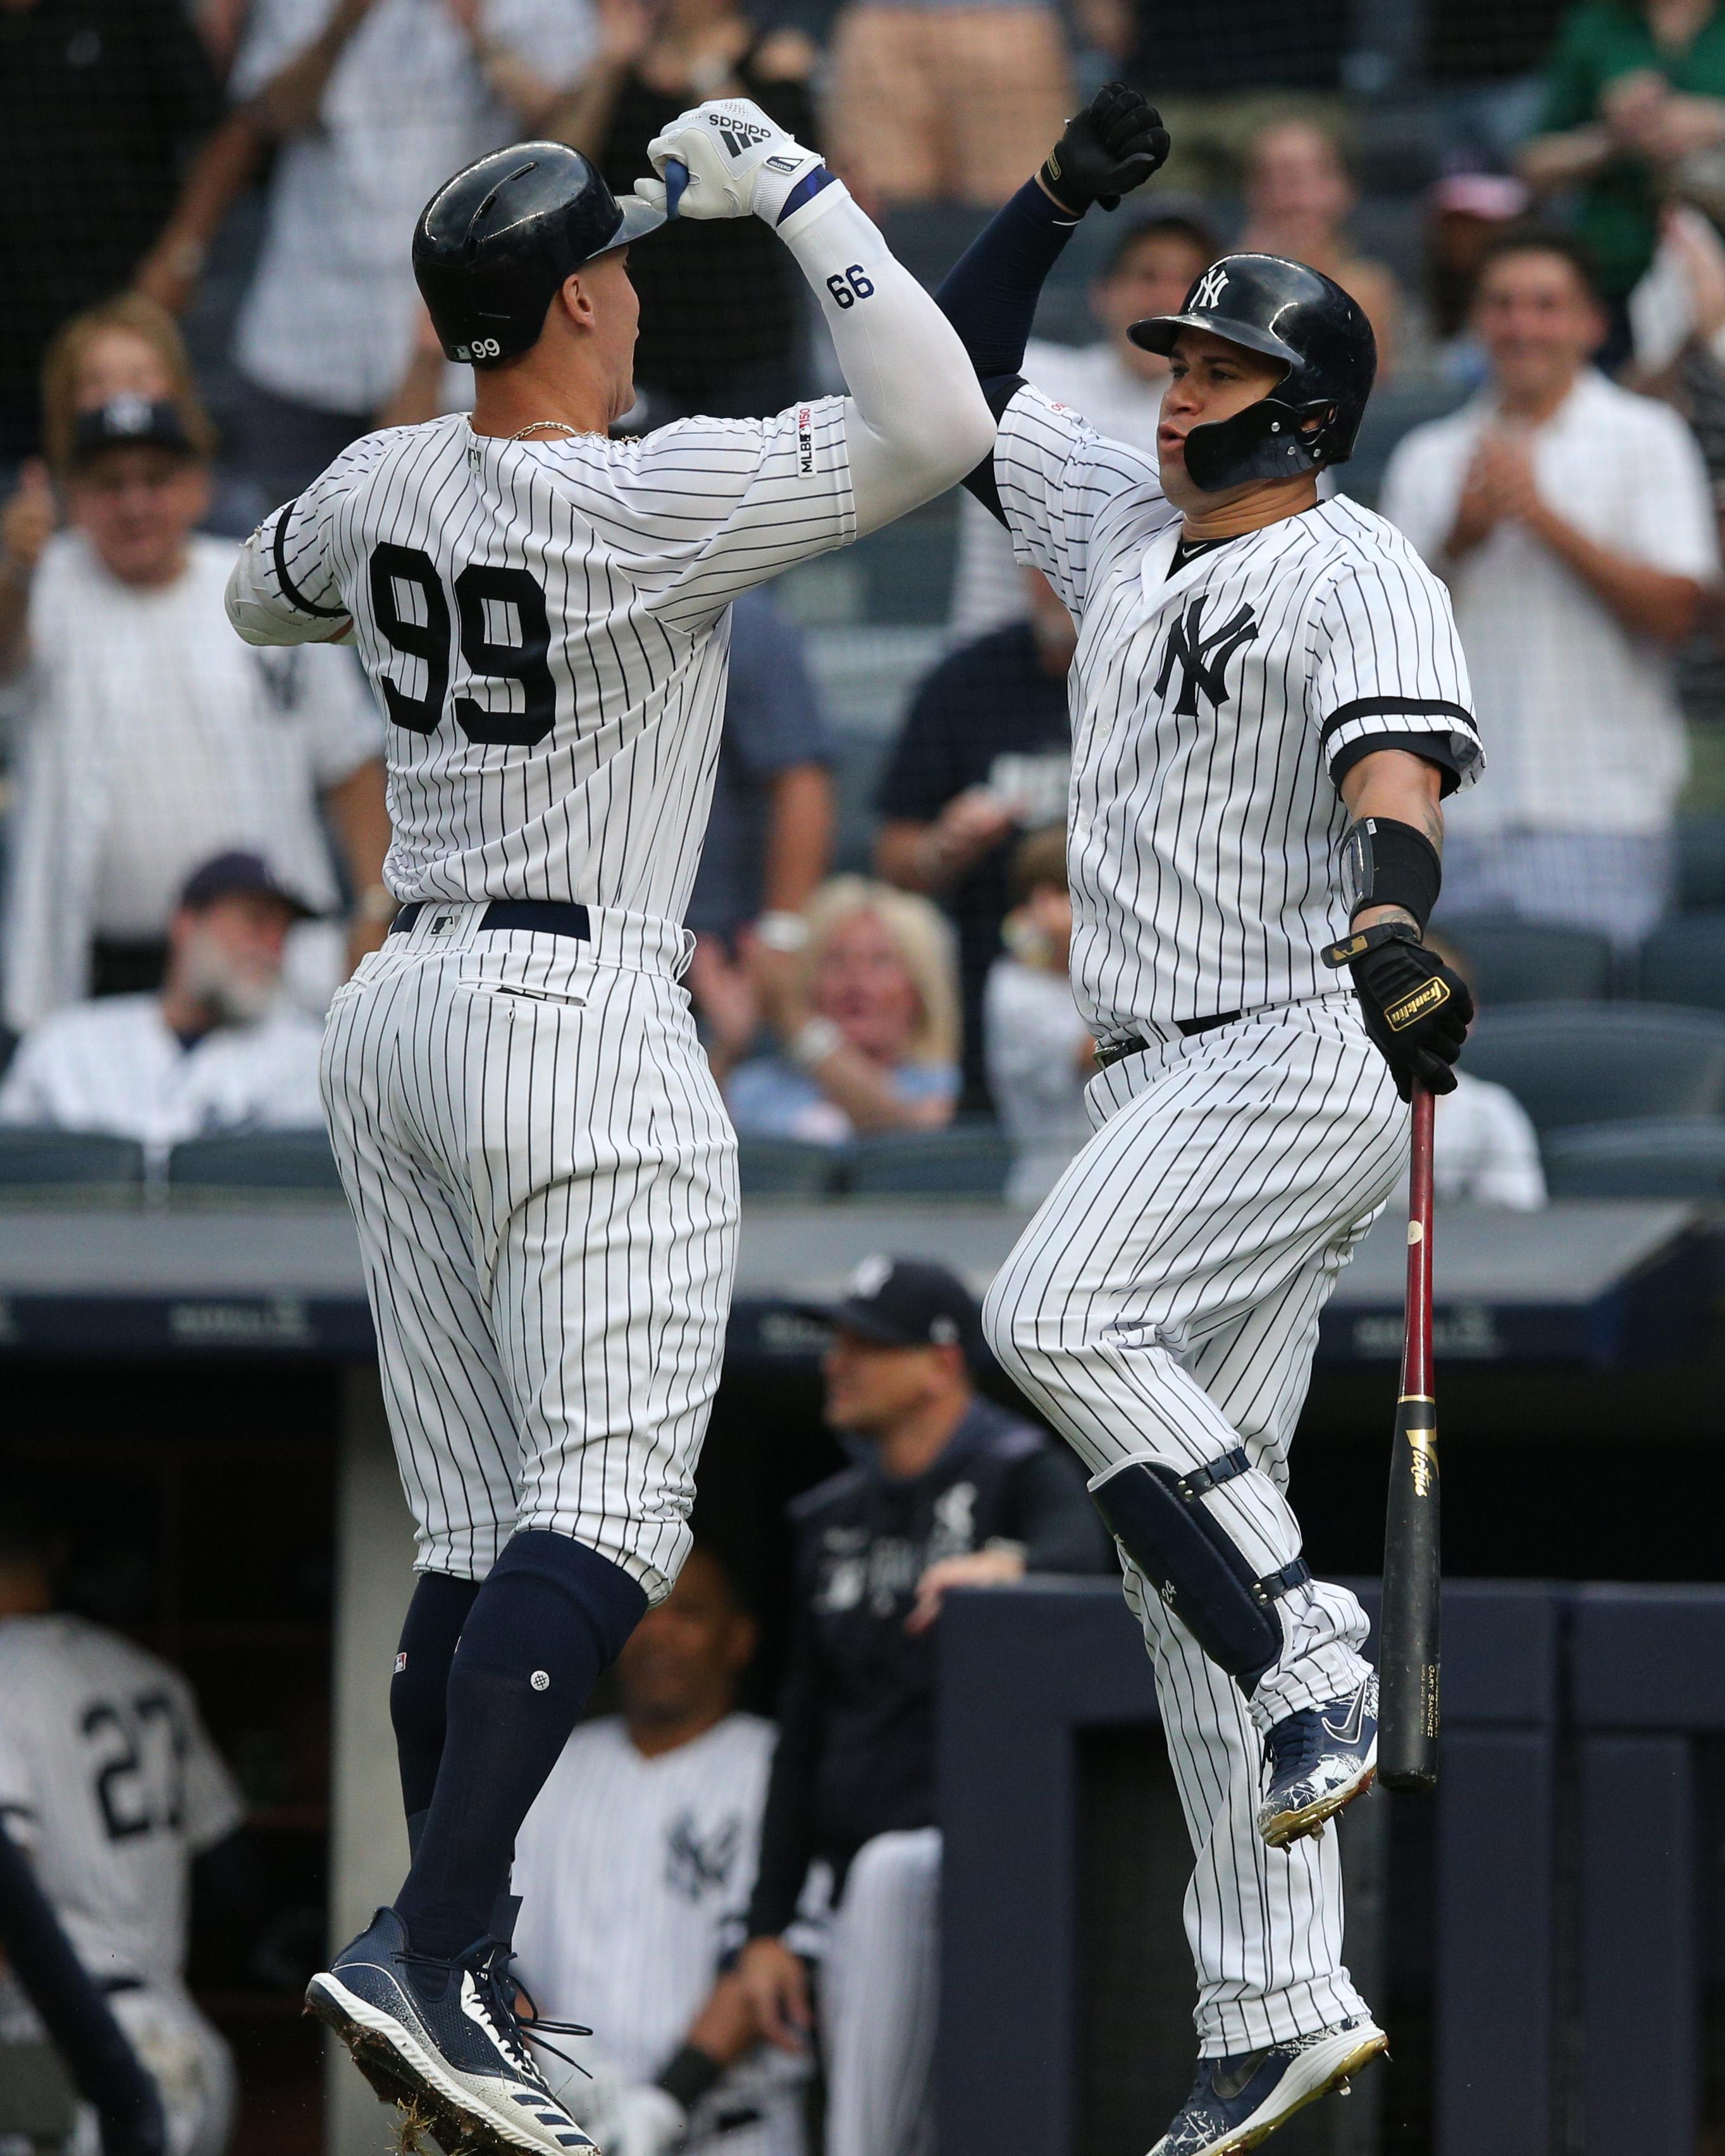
1633	91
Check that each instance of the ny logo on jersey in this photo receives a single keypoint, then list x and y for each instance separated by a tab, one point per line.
1211	288
1203	660
693	1867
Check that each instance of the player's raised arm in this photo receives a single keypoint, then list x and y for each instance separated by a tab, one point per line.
916	421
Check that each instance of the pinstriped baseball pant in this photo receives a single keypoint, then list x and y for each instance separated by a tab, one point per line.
1163	1304
544	1183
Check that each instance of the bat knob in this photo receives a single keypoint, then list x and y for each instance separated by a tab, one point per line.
676	179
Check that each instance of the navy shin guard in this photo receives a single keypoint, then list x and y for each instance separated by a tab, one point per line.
1158	1518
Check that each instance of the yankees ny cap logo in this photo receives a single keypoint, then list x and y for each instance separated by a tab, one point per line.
1211	286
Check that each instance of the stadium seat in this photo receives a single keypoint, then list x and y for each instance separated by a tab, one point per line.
1602	1063
1701	863
254	1160
1531	962
785	1167
90	1161
1683	962
1680	1156
969	1159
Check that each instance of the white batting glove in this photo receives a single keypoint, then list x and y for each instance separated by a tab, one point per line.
738	162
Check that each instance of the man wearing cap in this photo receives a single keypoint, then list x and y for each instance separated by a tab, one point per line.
1269	703
153	740
949	1491
218	1048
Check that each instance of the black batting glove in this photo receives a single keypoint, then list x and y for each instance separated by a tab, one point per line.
1416	1009
1111	147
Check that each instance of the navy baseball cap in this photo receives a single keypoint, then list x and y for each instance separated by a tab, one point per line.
238	873
131	423
905	1302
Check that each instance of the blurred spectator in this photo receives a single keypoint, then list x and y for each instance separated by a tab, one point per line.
1634	108
934	102
950	1490
111	1785
870	1025
1463	213
215	1051
1115	383
1573	523
1041	1054
153	738
985	752
373	103
649	1829
1485	1150
1298	200
723	304
769	838
101	104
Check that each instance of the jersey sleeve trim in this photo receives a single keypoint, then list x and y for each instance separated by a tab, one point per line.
290	590
1454	756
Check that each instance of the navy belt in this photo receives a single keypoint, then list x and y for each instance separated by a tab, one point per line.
1135	1044
540	916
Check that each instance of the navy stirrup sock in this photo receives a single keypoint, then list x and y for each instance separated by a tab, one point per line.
419	1690
550	1617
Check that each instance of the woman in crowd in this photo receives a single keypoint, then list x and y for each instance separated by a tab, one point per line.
722	304
1298	200
869	1033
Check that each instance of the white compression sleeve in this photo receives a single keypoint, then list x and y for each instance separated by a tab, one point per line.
917	420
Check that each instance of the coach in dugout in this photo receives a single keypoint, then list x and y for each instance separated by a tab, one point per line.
950	1490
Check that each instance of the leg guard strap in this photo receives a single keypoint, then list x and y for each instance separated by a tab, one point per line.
1177	1542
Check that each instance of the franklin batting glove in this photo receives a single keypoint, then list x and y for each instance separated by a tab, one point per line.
1416	1009
1111	147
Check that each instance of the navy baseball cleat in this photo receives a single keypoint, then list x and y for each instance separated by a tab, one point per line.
1320	1759
1239	2101
443	2039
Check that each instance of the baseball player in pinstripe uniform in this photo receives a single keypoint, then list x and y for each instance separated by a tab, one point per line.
539	1162
1268	702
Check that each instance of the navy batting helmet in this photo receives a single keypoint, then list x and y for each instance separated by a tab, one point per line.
1325	343
494	244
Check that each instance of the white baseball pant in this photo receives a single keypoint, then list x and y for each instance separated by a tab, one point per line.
1163	1304
880	1998
545	1182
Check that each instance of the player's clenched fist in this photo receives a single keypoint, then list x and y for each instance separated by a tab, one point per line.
738	162
1416	1009
1111	147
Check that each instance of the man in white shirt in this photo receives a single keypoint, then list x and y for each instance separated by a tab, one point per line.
216	1051
1573	523
1041	1054
373	103
634	1866
153	739
110	1785
1116	384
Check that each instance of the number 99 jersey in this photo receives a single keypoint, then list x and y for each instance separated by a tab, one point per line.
110	1783
544	624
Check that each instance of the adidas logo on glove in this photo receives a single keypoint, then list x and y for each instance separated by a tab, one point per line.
738	135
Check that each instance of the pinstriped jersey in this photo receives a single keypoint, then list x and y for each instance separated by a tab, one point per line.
108	1778
545	625
1216	705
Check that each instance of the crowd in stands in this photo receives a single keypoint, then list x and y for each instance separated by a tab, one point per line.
210	297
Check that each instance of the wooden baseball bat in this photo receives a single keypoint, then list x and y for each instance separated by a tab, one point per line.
1413	1562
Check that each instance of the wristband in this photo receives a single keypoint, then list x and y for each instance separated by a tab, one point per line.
688	2076
1388	863
1369	939
781	930
811	1044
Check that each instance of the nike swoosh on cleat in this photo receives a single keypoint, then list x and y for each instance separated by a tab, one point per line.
1349	1732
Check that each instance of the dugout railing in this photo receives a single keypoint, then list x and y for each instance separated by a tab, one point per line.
1026	1673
